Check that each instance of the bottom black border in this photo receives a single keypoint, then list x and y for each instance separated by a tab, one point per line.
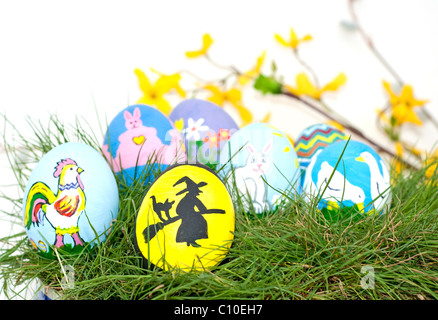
226	309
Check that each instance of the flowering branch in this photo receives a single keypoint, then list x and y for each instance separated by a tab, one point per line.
346	126
371	45
220	91
400	107
270	85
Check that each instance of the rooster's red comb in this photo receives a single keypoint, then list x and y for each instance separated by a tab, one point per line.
61	164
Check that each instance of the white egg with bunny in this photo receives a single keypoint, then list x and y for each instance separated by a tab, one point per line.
260	168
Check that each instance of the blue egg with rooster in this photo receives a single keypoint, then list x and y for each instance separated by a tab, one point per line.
70	200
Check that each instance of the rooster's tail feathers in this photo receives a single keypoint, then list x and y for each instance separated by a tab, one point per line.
39	195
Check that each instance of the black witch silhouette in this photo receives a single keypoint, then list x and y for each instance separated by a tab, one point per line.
189	209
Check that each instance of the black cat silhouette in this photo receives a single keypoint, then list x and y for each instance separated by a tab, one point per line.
165	207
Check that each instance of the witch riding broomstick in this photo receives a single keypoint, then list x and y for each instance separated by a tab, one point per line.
193	225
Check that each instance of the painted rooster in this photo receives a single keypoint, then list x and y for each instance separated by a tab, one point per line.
62	209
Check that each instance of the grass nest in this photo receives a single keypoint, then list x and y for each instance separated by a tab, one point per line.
294	253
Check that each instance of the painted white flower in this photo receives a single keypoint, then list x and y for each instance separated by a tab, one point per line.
194	128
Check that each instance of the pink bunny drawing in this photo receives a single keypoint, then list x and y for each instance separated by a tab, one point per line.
139	143
249	179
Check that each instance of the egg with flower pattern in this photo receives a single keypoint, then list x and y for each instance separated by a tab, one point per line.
206	128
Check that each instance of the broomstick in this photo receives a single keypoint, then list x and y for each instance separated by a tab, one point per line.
151	231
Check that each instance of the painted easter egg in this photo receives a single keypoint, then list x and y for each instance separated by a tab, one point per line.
314	138
141	141
70	200
259	166
186	220
360	185
206	128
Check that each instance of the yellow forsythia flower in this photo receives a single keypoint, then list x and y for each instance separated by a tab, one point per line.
233	96
207	41
431	164
403	104
266	118
305	87
293	41
251	74
382	116
153	93
171	81
398	165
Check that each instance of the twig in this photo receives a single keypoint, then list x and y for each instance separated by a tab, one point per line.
380	57
371	45
198	78
228	68
306	66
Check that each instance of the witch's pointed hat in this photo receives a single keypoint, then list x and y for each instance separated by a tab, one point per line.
191	185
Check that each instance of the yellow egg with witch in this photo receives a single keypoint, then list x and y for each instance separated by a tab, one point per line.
186	220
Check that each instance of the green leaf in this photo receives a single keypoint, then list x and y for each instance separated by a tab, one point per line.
267	85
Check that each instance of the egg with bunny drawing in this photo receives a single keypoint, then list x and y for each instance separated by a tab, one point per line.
260	168
349	178
140	142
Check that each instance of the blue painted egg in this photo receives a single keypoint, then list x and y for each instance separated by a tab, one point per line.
259	166
141	141
70	200
206	128
361	181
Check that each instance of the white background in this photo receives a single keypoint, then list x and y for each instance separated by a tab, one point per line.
72	58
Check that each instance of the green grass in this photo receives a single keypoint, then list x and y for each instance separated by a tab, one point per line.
294	253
